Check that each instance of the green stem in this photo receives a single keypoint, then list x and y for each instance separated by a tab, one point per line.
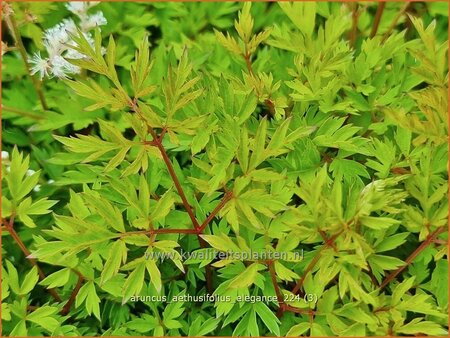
22	113
14	29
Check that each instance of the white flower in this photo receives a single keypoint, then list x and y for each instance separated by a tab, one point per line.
80	7
39	65
37	188
92	21
50	181
60	45
57	37
30	172
61	67
5	155
76	6
70	26
57	34
55	41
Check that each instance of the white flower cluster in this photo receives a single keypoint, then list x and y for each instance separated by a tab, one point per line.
58	42
5	158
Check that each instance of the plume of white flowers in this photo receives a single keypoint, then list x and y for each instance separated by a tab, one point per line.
58	42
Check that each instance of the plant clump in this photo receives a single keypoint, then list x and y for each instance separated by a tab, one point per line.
194	169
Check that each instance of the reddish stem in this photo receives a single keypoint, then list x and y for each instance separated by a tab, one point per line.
163	133
270	105
311	265
248	62
324	237
372	277
301	311
314	261
378	14
177	184
273	276
382	309
10	227
203	244
73	295
149	143
228	195
354	31
280	299
394	22
412	256
311	321
157	141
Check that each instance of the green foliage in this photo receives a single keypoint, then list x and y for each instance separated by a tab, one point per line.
245	169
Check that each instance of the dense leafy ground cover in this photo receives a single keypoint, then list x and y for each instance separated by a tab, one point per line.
224	169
